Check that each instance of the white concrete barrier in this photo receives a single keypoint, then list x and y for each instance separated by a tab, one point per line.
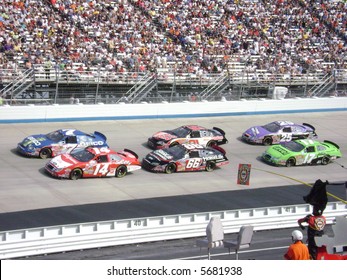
61	238
80	112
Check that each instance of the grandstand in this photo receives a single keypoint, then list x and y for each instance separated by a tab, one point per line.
56	51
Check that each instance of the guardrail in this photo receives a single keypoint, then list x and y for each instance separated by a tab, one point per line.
62	238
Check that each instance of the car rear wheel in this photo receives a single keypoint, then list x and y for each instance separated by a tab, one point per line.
121	171
267	141
170	168
76	174
290	162
325	160
45	153
210	166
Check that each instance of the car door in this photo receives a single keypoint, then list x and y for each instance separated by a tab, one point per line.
67	144
193	161
286	134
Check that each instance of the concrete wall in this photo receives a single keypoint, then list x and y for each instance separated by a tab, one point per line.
80	112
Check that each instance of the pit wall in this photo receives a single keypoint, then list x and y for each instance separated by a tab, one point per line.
83	112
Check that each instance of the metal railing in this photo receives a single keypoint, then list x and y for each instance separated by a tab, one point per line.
61	238
56	86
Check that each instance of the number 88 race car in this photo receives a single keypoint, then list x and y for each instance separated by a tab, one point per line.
185	157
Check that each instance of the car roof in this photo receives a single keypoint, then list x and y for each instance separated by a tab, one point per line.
194	127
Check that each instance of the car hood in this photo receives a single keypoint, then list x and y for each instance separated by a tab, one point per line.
164	135
63	161
278	151
257	131
38	140
159	155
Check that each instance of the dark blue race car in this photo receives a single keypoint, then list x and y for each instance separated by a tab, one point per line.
58	142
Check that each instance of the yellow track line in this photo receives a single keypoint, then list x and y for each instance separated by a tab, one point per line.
304	183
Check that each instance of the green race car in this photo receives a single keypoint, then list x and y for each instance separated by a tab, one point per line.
302	152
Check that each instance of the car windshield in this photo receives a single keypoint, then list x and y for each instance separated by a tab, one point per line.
180	132
177	152
55	136
82	155
272	127
293	146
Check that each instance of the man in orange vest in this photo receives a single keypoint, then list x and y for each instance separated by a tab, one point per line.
297	250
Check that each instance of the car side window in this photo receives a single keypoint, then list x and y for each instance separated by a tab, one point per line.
195	134
71	140
310	149
102	158
194	154
287	129
321	148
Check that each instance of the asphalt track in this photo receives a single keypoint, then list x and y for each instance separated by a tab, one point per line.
31	198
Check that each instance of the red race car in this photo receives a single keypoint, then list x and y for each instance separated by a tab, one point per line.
93	162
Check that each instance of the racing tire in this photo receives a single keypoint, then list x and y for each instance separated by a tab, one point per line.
267	141
210	166
121	171
45	153
211	144
290	162
76	174
325	160
173	144
170	168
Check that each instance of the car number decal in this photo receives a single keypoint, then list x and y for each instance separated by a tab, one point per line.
193	163
286	137
101	168
309	158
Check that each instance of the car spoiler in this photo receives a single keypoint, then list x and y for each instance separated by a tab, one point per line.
332	143
100	135
219	148
131	152
309	125
219	129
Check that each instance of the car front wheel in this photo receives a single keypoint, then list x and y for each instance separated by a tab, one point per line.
170	168
290	162
76	174
45	153
267	141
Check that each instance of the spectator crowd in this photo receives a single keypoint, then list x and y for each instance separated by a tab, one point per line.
191	36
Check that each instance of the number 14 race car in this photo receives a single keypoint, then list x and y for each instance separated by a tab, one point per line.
185	157
93	162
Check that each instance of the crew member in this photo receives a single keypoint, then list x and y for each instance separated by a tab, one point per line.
297	250
316	223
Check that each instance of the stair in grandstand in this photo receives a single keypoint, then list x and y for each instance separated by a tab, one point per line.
217	85
17	86
140	90
323	87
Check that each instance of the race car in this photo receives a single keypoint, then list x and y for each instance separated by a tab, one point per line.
185	157
194	134
58	142
302	152
278	132
93	162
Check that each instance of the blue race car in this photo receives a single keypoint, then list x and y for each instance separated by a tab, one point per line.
58	142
